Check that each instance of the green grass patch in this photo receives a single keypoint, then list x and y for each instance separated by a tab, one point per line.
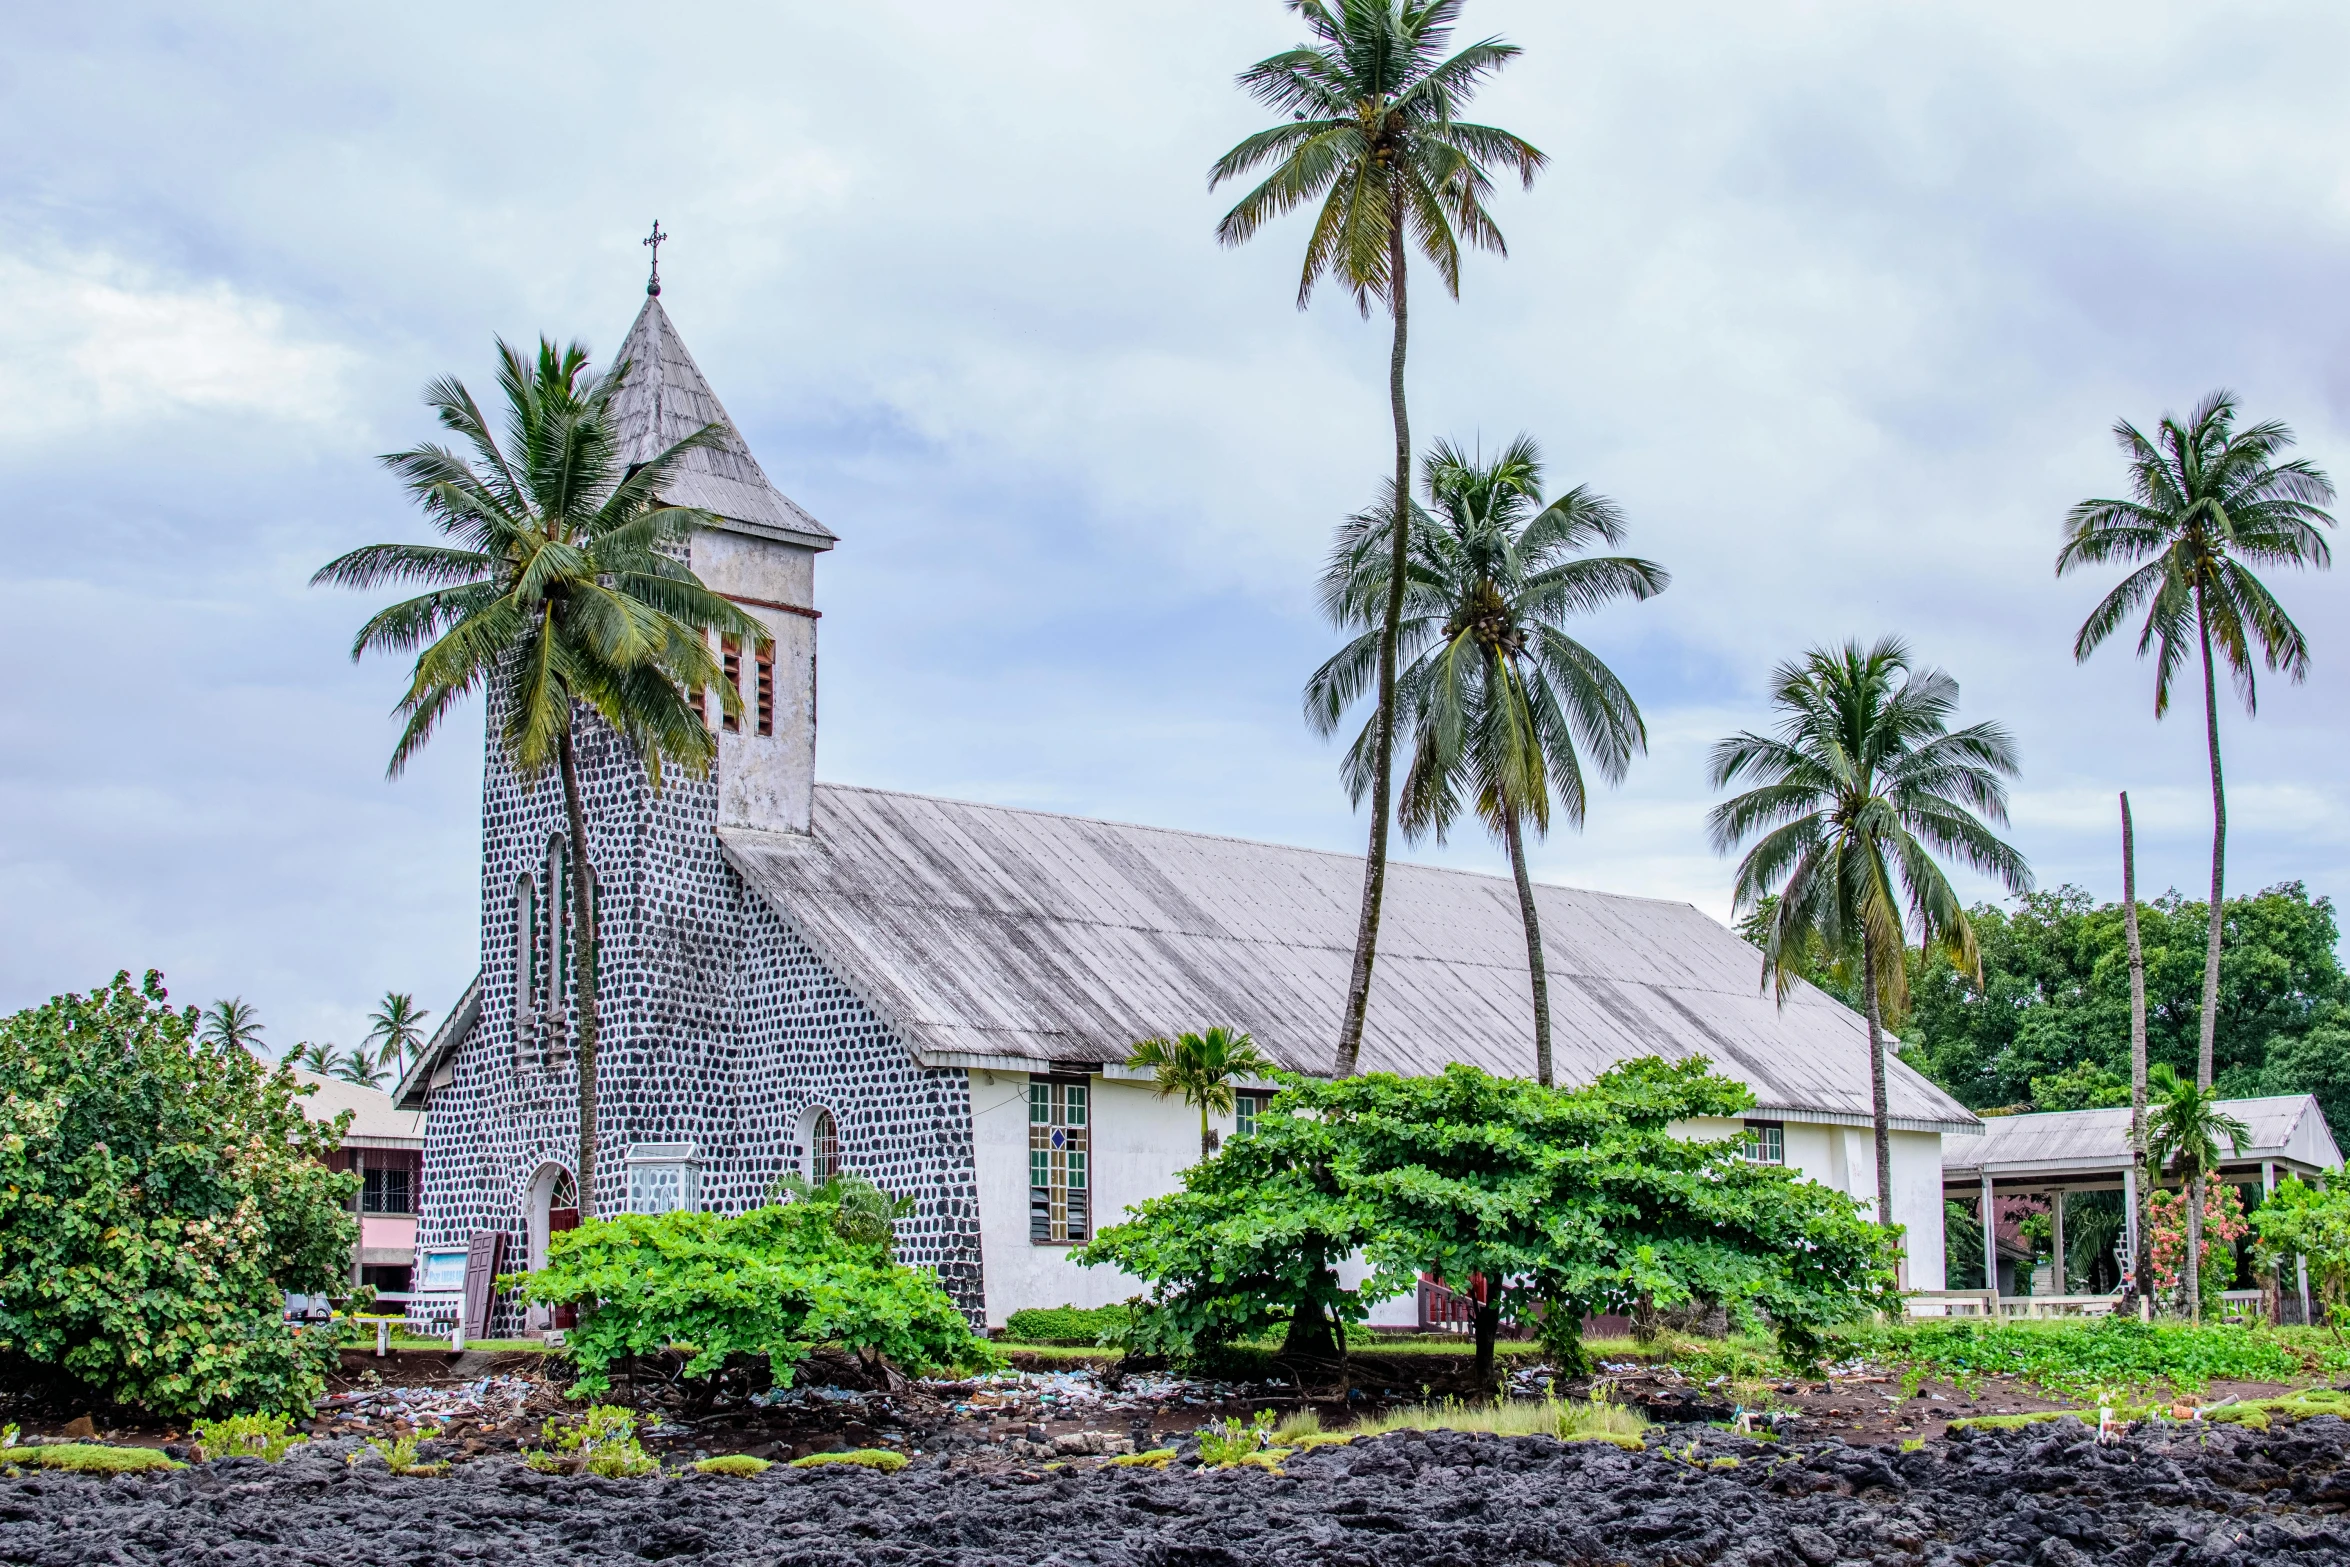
266	1437
1571	1420
740	1464
1069	1352
2082	1359
88	1458
879	1458
1156	1458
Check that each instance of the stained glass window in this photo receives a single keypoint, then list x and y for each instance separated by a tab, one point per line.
1059	1146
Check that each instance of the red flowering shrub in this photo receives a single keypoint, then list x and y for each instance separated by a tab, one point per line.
2224	1224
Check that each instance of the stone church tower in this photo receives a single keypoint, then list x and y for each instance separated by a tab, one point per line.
727	1053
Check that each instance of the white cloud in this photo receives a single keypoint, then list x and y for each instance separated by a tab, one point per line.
90	343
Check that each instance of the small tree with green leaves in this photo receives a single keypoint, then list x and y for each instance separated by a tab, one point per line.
159	1197
2311	1223
2183	1134
1201	1068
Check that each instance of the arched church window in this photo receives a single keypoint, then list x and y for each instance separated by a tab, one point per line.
558	902
823	1147
526	930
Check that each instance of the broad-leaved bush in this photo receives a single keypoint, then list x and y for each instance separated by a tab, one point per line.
158	1199
776	1282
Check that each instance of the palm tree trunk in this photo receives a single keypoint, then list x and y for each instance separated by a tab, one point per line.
1358	987
2195	1246
1487	1323
1207	1133
2142	1265
583	946
1517	843
1878	1111
2219	854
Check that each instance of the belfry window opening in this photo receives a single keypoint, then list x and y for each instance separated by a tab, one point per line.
766	704
730	660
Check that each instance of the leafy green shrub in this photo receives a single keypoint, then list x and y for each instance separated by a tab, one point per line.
776	1281
740	1464
601	1441
880	1458
2078	1359
1230	1442
88	1458
2300	1220
256	1436
1076	1326
158	1198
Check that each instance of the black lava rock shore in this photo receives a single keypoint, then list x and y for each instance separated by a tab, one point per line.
2047	1495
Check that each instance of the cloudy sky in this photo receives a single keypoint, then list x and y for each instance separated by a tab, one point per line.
1837	300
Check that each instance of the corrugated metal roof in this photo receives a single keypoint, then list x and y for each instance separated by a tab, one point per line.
991	935
663	401
2283	1126
375	1121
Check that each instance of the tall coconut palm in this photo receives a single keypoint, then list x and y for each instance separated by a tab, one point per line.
232	1021
562	596
1201	1068
2208	502
358	1067
1862	785
313	1057
1372	137
1500	703
2183	1134
395	1030
2142	1261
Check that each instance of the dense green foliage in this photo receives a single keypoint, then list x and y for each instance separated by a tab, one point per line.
2049	1026
1078	1326
2079	1359
1563	1203
158	1197
774	1282
2313	1223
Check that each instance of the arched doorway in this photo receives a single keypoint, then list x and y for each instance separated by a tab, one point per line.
551	1208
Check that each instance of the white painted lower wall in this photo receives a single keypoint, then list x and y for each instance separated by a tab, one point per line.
1141	1144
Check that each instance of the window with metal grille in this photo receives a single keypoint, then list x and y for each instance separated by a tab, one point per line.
1245	1110
730	659
1766	1142
386	1191
823	1147
1059	1180
766	708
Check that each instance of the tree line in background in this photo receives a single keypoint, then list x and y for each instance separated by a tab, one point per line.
395	1037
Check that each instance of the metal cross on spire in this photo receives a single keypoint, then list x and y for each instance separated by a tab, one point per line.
654	240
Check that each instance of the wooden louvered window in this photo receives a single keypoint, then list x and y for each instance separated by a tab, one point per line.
1059	1173
766	705
730	659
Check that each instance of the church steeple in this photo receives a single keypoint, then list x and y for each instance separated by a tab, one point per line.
761	553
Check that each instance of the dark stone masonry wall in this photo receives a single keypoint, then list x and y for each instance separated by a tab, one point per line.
720	1028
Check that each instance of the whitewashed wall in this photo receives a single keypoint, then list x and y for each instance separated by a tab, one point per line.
1845	1158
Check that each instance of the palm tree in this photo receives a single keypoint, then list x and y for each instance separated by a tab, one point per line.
1497	697
358	1067
1864	783
1371	136
396	1030
2184	1133
1201	1067
561	595
232	1022
2141	1264
2208	503
313	1058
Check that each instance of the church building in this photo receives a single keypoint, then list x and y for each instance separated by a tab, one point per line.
940	995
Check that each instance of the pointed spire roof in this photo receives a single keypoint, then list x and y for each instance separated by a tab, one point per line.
665	400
